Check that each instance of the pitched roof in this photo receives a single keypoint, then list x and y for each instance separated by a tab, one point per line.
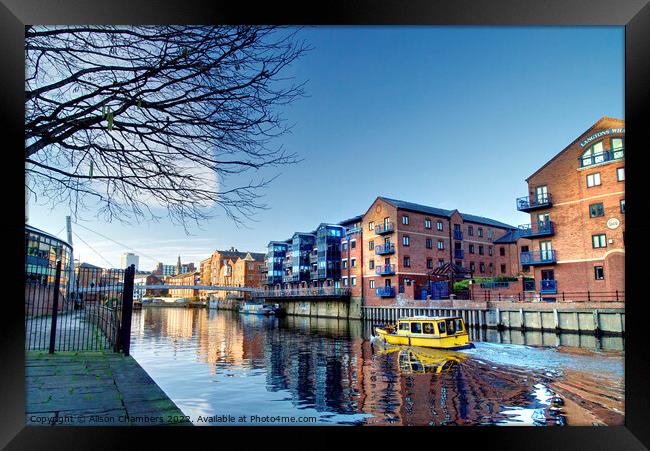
511	236
351	220
445	213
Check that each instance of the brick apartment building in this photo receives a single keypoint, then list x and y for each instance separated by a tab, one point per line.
189	278
231	268
393	245
577	206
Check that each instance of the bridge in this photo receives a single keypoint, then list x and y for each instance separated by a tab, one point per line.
140	287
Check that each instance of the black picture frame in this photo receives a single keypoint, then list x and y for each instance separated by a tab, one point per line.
633	14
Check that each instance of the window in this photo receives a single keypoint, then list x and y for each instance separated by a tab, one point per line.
353	281
596	210
405	219
416	328
439	225
345	281
441	244
599	240
616	147
620	174
345	246
491	268
345	263
471	248
427	223
371	225
503	269
490	251
353	244
481	267
593	179
371	283
623	206
353	263
502	251
470	230
406	240
371	264
441	263
472	266
480	232
598	273
428	328
489	234
441	327
429	263
524	248
371	245
407	262
429	243
403	326
480	250
594	154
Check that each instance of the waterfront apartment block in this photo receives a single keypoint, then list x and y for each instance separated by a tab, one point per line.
231	268
576	203
187	279
391	251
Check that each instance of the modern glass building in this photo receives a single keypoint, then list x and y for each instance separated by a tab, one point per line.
42	250
328	242
302	245
275	256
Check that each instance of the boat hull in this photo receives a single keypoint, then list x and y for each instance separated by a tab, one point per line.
453	342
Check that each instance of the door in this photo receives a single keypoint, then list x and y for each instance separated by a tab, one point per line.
387	283
545	250
542	194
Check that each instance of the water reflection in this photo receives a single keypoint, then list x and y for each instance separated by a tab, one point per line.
221	363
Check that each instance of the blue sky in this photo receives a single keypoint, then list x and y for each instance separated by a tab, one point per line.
453	117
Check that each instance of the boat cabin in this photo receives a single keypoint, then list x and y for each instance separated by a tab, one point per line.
431	326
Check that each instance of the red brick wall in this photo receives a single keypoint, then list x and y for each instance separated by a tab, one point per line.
574	228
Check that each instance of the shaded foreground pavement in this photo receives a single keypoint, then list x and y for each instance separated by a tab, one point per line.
94	389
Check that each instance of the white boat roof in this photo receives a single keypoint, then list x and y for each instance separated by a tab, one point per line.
423	317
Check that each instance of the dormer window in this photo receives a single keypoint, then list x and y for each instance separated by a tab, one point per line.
596	153
593	155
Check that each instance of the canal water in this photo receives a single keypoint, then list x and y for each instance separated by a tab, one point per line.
225	368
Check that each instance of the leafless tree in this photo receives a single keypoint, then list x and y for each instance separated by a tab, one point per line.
131	121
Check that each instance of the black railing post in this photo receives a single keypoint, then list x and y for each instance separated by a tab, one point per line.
617	295
588	295
55	306
127	310
563	296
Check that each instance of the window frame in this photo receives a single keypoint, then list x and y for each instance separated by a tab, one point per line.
405	219
602	272
604	240
621	204
428	224
406	261
618	174
602	210
440	226
406	240
594	175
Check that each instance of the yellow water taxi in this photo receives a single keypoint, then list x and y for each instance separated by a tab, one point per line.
444	332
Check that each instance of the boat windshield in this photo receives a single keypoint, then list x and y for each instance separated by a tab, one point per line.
416	328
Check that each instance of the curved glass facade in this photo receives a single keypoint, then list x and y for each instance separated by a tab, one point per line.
42	250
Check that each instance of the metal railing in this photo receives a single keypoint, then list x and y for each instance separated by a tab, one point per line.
458	234
385	292
537	229
307	292
93	313
384	269
548	286
602	157
493	285
533	202
380	229
561	296
459	253
537	257
385	249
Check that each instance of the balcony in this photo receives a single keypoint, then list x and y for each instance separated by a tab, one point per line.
314	275
531	203
309	293
385	249
602	157
384	270
383	229
458	235
459	253
548	287
539	229
385	292
537	258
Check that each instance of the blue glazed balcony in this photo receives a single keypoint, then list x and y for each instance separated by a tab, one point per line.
538	229
385	249
538	258
458	235
548	286
385	292
384	270
531	203
459	253
383	229
602	157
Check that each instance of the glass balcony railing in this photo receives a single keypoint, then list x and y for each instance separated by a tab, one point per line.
546	228
537	257
385	292
385	249
602	157
530	203
548	286
459	253
383	270
381	229
458	234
